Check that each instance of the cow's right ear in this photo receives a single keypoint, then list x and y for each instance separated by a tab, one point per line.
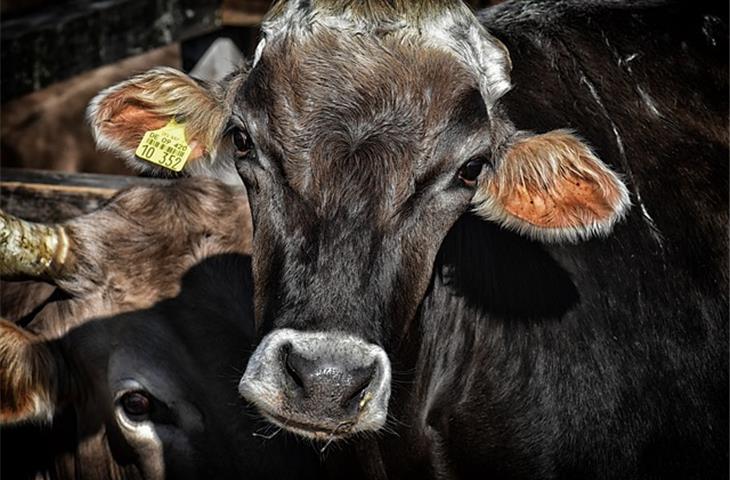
551	187
29	376
122	114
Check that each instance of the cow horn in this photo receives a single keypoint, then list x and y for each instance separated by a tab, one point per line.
31	249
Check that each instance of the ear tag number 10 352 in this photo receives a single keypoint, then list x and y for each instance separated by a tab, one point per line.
165	146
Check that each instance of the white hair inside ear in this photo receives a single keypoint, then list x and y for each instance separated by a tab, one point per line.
552	187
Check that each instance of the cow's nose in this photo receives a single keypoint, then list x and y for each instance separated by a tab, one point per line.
322	379
319	384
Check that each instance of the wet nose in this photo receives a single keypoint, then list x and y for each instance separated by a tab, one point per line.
318	384
326	380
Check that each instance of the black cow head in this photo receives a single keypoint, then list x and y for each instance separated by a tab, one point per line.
146	394
363	131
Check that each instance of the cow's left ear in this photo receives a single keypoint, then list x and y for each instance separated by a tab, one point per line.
122	114
551	187
30	375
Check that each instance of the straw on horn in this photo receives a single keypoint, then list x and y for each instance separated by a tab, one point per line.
31	249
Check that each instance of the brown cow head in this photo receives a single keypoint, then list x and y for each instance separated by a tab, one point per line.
363	131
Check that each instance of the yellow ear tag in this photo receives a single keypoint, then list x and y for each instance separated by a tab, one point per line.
165	146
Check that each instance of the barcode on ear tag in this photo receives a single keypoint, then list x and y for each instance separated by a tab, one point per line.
165	146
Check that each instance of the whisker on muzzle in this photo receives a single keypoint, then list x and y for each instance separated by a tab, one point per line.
267	436
345	426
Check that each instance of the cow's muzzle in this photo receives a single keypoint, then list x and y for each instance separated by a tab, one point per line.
319	385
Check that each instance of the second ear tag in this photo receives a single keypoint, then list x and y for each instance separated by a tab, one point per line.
166	146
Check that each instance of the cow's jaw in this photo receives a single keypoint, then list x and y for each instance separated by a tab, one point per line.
319	385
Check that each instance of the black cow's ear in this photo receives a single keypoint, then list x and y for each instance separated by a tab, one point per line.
29	376
552	187
121	115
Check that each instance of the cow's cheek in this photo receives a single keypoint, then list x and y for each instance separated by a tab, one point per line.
414	281
143	439
420	248
262	262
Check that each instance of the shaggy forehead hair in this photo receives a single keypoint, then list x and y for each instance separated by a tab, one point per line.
360	121
444	24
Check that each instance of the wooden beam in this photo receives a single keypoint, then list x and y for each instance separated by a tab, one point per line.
55	43
45	196
243	13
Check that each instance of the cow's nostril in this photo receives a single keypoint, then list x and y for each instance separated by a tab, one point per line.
356	393
290	369
361	381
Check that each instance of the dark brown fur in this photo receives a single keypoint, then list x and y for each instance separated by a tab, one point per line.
606	359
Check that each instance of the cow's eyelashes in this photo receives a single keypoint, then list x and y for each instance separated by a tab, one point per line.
469	171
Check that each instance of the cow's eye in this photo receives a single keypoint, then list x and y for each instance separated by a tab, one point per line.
469	172
242	143
136	404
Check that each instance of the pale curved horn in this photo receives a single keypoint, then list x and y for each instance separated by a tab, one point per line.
30	249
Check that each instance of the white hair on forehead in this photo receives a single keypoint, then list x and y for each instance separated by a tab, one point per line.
465	37
449	26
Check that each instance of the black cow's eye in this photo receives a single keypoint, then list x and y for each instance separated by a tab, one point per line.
469	172
136	404
242	142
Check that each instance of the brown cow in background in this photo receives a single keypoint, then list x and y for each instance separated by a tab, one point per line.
47	130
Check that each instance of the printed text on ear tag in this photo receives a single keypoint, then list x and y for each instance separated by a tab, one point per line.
165	146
